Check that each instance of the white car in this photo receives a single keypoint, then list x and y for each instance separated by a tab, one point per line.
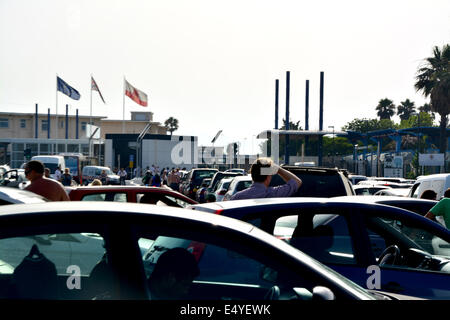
222	188
238	184
401	192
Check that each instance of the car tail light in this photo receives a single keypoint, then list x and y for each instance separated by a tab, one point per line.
219	211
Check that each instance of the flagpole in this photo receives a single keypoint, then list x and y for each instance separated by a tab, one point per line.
90	116
90	123
123	117
56	126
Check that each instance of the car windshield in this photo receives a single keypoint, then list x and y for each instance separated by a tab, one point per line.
200	175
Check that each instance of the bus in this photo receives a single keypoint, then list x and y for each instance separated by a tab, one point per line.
75	162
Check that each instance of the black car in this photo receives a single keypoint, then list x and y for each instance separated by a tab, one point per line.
194	179
98	250
318	182
412	253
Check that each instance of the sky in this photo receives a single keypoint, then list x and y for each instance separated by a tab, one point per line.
213	64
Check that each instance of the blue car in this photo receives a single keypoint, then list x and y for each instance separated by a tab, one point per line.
377	246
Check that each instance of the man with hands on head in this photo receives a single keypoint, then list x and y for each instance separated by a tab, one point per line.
262	171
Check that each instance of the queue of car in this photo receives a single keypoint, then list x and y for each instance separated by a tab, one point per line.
318	244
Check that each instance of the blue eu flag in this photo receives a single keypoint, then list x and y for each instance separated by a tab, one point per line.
67	90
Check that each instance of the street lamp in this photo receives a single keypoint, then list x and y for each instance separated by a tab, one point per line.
332	151
418	139
354	158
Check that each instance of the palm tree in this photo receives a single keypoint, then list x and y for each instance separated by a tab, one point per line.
433	79
386	109
171	124
405	109
427	109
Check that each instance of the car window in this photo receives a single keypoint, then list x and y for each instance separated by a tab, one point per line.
38	266
415	190
106	196
327	240
316	184
385	232
242	185
179	202
223	273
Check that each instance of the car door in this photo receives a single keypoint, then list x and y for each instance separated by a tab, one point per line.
422	267
330	236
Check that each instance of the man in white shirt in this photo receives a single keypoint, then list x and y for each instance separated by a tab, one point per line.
58	174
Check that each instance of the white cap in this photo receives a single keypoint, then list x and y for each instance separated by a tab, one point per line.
270	171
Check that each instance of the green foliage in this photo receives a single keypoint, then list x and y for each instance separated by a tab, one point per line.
385	109
171	124
405	109
433	80
366	125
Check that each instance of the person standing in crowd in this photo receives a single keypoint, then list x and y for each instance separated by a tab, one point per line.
441	209
66	178
48	188
104	177
147	179
262	171
58	174
163	176
173	180
123	176
156	180
47	173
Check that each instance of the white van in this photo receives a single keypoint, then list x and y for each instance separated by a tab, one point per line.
52	162
436	182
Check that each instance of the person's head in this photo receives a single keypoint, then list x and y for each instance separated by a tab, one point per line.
447	193
34	169
210	197
173	274
148	198
66	171
96	182
262	170
429	194
47	172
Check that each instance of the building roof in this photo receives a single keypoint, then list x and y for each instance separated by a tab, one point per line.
266	134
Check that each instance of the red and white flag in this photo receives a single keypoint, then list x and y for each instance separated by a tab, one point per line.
136	95
95	87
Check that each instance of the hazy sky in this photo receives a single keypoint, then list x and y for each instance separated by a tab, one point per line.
213	64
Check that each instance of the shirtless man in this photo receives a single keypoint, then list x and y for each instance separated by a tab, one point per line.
48	188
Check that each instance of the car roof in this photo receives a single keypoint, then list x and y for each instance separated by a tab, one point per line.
98	208
122	187
234	204
355	201
362	186
375	199
16	195
243	178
